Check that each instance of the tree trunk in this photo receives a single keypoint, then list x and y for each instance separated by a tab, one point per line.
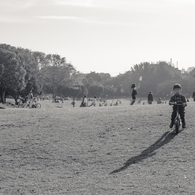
54	97
2	95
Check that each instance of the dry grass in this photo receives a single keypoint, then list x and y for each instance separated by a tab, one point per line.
97	150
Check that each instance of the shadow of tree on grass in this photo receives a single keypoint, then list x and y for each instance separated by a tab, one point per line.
149	152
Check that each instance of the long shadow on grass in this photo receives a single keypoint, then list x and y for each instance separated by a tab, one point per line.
149	152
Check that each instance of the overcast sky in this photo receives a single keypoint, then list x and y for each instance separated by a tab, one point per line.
103	35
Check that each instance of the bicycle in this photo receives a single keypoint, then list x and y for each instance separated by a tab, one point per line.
35	105
25	103
22	102
177	118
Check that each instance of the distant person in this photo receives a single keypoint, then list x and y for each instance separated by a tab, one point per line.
30	96
73	103
178	98
84	101
193	95
116	103
133	94
94	102
150	97
159	101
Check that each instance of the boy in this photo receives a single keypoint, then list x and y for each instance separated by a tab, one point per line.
134	93
179	99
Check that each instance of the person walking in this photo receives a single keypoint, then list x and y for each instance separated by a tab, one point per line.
30	98
150	97
84	101
193	95
93	102
133	94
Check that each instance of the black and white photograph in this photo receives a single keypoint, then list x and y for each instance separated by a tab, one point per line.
97	97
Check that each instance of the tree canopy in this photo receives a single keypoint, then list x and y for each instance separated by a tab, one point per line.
23	70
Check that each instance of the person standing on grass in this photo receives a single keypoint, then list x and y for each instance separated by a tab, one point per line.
73	102
93	102
30	98
178	98
150	97
84	101
193	95
133	94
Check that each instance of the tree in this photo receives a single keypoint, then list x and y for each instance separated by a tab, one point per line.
27	66
190	69
72	91
109	91
12	79
1	69
40	59
95	76
57	74
87	82
96	89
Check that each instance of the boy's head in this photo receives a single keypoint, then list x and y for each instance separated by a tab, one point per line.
177	88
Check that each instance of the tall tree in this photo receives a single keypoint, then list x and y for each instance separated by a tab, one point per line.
13	76
96	89
57	74
95	76
30	63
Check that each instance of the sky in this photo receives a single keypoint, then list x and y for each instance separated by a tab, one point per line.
109	36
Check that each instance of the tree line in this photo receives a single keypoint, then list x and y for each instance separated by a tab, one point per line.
23	70
156	77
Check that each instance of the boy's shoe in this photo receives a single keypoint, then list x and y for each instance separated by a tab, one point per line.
171	125
183	125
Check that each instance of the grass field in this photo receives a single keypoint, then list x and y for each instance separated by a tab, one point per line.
124	149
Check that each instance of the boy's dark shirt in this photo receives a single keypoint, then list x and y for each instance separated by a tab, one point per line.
179	99
134	93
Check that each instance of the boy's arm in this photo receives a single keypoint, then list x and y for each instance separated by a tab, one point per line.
171	102
184	101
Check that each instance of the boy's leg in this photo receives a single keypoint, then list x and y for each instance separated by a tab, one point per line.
174	113
182	115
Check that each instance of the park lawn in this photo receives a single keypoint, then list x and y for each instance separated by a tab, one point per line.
121	149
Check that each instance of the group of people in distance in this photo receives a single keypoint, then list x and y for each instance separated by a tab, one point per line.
101	102
29	99
176	100
84	102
